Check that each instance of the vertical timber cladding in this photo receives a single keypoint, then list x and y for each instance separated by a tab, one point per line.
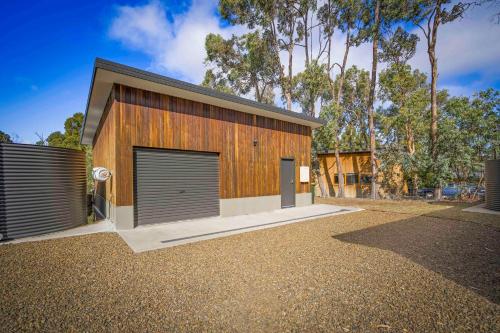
104	155
172	185
250	147
42	190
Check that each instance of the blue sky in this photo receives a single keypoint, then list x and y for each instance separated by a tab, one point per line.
47	55
48	49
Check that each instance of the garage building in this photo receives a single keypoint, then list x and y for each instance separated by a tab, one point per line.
179	151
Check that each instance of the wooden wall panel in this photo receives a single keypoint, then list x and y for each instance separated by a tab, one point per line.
104	148
358	163
147	119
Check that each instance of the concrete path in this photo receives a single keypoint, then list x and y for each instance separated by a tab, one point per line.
481	209
102	226
152	237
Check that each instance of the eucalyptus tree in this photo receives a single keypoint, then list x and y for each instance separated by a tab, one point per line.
355	135
343	15
70	138
280	23
469	132
306	10
399	47
5	138
217	82
404	92
323	137
428	16
241	64
403	120
378	18
311	85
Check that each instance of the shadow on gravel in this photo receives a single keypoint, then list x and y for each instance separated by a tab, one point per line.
465	252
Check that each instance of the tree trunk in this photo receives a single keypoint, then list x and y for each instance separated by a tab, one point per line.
288	98
258	95
288	93
316	169
410	143
286	89
410	140
431	50
371	99
342	70
415	185
306	37
340	193
341	190
321	184
288	84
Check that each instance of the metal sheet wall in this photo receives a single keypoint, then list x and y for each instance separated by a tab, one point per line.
42	190
492	177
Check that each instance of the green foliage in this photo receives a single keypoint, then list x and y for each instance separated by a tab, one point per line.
310	85
5	138
342	14
354	103
241	64
218	83
347	123
326	135
403	123
406	91
71	136
422	10
391	11
56	139
399	47
468	136
286	25
469	132
71	139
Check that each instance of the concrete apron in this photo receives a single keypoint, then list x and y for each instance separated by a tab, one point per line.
158	236
481	209
102	226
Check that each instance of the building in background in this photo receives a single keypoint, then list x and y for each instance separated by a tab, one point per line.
356	170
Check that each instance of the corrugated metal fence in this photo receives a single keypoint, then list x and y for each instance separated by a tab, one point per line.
492	175
42	189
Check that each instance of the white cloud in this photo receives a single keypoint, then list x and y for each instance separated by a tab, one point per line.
178	46
470	46
465	47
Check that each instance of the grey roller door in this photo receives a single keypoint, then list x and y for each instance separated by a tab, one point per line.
174	185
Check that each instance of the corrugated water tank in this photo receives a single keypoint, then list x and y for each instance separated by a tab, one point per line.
492	177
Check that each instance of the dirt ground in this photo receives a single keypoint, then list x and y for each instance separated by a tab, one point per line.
395	267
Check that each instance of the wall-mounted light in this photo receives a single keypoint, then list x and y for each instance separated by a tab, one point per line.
255	142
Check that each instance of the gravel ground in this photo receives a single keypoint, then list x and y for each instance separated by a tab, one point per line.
372	271
445	209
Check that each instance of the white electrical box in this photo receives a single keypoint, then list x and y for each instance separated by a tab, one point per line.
304	174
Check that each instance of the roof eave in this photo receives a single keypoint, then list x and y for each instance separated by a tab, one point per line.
117	73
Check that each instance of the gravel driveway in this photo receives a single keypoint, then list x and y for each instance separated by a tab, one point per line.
371	271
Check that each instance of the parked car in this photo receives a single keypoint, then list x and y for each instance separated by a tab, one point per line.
427	193
472	190
452	191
